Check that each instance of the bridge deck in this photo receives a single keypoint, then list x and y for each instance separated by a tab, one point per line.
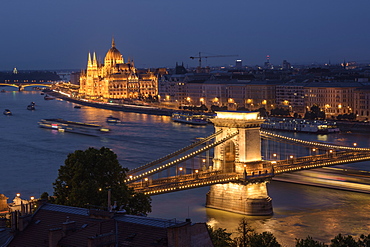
190	181
335	154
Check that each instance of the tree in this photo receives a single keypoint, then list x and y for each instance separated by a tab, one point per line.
45	197
248	238
364	241
264	239
280	112
244	230
263	112
309	242
88	176
315	113
343	241
220	238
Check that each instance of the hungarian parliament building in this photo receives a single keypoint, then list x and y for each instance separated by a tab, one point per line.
116	79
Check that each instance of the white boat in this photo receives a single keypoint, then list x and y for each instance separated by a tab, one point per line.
112	119
300	125
62	125
189	118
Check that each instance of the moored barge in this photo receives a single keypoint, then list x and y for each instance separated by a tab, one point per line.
62	125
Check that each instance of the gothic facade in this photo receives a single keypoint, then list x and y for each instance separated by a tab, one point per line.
116	79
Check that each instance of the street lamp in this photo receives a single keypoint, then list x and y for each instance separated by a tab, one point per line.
180	169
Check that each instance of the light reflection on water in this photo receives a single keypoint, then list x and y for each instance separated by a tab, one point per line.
31	157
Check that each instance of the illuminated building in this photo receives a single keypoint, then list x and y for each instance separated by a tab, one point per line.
116	79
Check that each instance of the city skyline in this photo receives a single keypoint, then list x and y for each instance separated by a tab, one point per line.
59	35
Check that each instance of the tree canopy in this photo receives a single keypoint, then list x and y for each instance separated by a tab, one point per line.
247	237
220	238
86	178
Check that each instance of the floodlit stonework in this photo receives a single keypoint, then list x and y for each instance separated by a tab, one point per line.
116	79
241	154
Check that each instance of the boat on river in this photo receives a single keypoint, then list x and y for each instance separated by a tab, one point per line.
62	125
7	112
31	107
48	97
300	125
112	119
189	118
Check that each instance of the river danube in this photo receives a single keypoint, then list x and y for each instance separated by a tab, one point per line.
31	156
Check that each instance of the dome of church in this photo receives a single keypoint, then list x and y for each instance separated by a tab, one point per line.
113	55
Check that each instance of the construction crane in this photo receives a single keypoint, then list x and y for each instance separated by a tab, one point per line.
200	57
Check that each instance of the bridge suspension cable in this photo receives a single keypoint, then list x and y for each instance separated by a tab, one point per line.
269	135
171	155
181	159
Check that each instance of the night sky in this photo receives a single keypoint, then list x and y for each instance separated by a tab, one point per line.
50	34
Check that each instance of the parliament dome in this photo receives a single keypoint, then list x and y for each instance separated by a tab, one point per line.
113	55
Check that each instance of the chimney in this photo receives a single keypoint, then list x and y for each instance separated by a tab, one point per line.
23	221
68	226
14	220
55	235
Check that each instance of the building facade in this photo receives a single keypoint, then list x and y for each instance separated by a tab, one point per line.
334	98
116	79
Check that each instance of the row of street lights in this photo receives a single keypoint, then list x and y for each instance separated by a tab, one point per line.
274	155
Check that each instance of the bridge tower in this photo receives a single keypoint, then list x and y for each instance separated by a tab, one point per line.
240	155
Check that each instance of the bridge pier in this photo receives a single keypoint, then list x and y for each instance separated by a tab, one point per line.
240	155
248	199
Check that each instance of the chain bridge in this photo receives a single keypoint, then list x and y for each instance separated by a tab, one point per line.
231	162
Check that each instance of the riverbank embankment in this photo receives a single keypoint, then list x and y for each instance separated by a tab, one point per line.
115	107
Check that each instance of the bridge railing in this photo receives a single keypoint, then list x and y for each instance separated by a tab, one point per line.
179	160
323	145
174	154
316	161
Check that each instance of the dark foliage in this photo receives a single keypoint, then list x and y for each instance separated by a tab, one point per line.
88	176
220	238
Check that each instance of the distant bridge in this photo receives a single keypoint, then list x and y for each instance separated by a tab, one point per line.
21	86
